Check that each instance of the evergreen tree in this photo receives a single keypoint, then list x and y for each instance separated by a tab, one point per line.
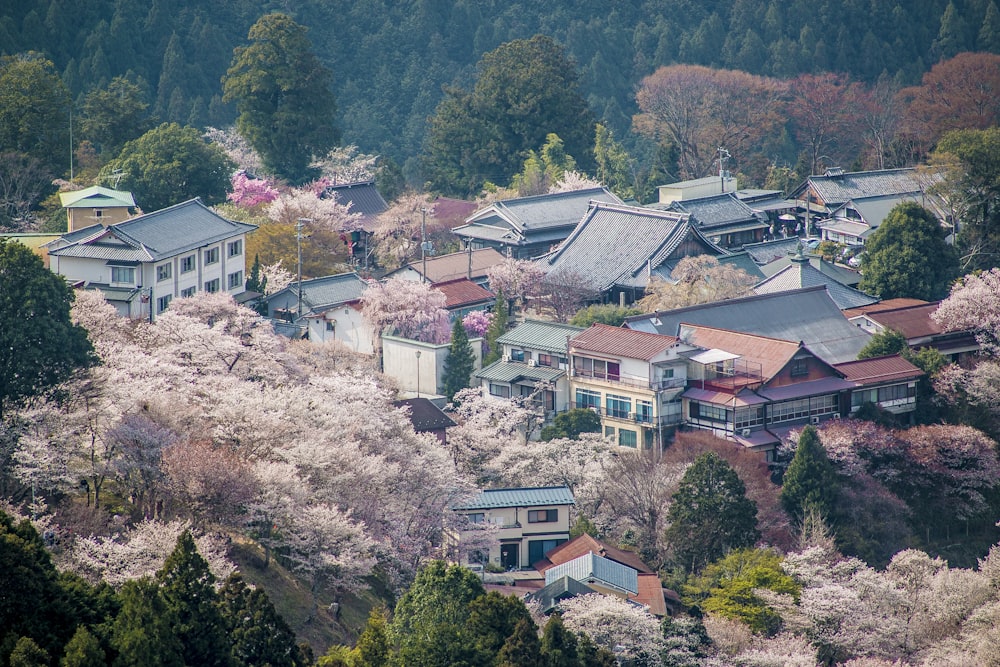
373	648
115	115
492	619
142	632
27	653
283	95
39	345
460	363
883	344
571	424
810	480
989	33
188	590
34	110
522	648
258	635
83	650
710	514
592	655
498	327
559	644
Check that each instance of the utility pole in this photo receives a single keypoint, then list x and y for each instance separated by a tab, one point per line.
723	156
423	242
299	224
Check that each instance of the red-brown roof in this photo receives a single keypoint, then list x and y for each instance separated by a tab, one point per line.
888	304
912	322
878	370
463	292
584	544
621	342
772	354
651	594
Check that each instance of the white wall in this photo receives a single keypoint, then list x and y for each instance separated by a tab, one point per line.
399	361
349	327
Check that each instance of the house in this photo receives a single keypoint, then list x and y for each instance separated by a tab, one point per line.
144	262
725	219
693	189
529	521
96	205
889	382
853	222
808	315
364	198
418	367
325	309
912	318
426	417
534	363
834	272
469	264
632	379
530	226
616	250
462	296
801	272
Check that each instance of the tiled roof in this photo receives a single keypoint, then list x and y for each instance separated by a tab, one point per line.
519	497
621	342
743	398
719	211
543	336
772	354
768	251
888	304
363	197
879	369
841	274
584	544
424	415
838	188
742	260
463	292
456	265
591	568
912	321
321	294
800	273
808	315
547	210
621	245
826	385
513	371
97	197
161	234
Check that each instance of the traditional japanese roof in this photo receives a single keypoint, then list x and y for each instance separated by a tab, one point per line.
741	399
361	197
321	294
801	273
768	251
808	315
621	342
888	304
518	497
547	337
424	415
463	292
787	392
456	265
772	354
517	219
593	569
515	371
97	197
836	187
584	544
721	213
878	370
156	236
840	274
618	245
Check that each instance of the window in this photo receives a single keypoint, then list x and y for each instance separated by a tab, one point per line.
98	213
609	432
896	392
543	516
804	407
123	274
644	411
331	326
234	249
162	303
163	272
596	368
188	292
519	355
546	360
626	438
800	367
187	264
212	256
538	548
709	412
477	517
619	406
747	417
235	280
212	285
585	398
500	390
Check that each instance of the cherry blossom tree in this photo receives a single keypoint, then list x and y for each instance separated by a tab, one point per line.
974	305
236	149
398	230
612	623
251	192
572	180
700	279
141	444
407	308
322	213
518	279
346	164
210	485
477	323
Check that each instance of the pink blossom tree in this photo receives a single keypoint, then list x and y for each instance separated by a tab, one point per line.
251	192
974	305
518	279
477	323
411	309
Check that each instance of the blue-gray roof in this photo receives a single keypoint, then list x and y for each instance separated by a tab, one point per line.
719	213
158	235
319	294
836	187
808	315
841	274
547	337
520	497
363	197
597	569
768	251
800	273
561	589
619	245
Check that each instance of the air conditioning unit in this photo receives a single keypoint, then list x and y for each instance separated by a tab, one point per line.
745	433
532	362
814	419
506	357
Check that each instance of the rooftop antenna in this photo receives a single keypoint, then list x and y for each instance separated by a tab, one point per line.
723	156
116	176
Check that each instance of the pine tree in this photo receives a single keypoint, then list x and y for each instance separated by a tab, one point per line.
810	480
259	636
142	633
83	650
27	653
559	645
522	648
189	593
498	327
460	363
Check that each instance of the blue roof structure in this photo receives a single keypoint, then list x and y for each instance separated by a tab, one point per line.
591	568
519	497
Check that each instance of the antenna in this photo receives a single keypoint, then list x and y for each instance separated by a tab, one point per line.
723	156
116	176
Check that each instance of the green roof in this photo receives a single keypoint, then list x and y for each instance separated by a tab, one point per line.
97	197
512	371
537	335
519	497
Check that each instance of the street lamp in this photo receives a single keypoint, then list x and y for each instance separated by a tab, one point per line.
418	373
299	224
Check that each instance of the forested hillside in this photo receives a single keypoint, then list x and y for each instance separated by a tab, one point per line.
391	59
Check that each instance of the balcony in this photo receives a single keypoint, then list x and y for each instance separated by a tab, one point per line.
632	417
629	381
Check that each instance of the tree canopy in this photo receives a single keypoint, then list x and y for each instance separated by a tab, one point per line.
526	90
810	481
907	256
460	363
284	97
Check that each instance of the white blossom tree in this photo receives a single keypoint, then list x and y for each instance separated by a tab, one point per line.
411	309
625	629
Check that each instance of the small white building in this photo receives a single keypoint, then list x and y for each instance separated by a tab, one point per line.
326	309
697	188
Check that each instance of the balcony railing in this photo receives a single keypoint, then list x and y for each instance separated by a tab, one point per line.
635	417
642	383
